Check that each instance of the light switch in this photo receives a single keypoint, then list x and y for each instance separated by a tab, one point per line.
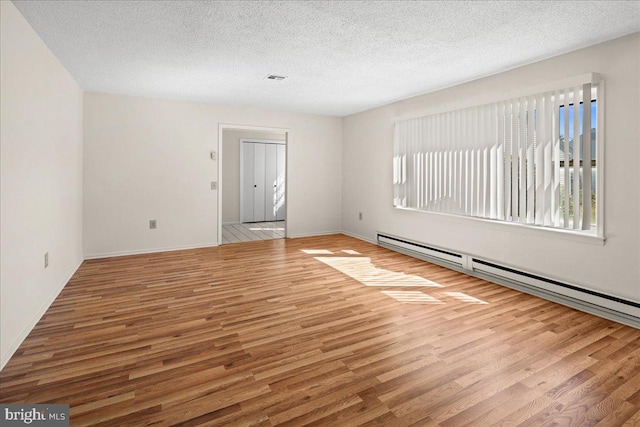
212	154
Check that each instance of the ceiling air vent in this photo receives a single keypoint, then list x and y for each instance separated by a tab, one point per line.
274	77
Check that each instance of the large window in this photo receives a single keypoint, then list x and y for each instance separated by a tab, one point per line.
529	160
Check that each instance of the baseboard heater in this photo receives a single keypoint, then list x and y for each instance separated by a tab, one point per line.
600	304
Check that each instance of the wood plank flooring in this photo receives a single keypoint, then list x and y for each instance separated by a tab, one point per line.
327	331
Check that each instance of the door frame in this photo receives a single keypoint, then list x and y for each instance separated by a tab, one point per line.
229	126
259	141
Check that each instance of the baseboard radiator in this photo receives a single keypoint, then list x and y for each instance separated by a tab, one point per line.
607	306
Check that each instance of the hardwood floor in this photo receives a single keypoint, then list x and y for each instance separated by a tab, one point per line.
327	331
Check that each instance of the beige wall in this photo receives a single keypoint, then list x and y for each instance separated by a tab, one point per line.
231	169
41	178
611	268
149	159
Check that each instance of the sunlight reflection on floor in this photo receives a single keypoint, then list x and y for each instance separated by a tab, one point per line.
317	252
266	229
464	297
362	269
412	296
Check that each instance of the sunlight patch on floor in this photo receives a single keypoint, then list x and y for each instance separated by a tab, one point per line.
412	297
317	252
351	252
464	297
361	269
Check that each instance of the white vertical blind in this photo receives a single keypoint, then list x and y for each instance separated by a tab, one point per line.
528	159
566	156
555	183
586	156
522	155
515	151
576	159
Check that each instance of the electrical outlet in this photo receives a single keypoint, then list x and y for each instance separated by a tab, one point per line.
214	185
46	259
360	215
152	224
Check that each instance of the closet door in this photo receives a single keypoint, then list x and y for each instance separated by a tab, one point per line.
271	174
279	205
247	182
259	182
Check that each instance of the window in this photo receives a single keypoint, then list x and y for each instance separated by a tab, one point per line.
516	161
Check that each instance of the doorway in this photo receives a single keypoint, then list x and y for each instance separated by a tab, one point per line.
252	177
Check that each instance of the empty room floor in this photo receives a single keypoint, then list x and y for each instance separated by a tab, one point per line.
252	231
328	331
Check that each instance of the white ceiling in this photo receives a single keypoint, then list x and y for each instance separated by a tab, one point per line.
340	57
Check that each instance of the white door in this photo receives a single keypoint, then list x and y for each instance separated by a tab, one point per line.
259	182
271	184
247	182
279	205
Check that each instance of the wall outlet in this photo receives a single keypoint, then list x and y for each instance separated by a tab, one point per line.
152	224
360	215
46	259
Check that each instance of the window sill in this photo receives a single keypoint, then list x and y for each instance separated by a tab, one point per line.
581	236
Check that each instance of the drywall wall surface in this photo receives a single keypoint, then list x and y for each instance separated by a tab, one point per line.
41	178
230	164
611	268
148	159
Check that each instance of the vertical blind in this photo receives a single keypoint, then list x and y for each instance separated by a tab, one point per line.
517	160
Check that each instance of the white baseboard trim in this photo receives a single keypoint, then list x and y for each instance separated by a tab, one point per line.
15	344
359	237
319	233
148	251
231	223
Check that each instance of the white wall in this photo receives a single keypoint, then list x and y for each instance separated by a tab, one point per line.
231	169
148	159
40	178
612	268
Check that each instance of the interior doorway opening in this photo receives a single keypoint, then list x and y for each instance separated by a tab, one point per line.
252	183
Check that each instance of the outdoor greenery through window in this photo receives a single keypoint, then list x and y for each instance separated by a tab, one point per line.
530	160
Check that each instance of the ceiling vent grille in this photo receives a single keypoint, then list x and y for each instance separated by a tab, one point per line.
275	77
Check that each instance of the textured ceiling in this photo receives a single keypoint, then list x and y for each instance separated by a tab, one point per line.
339	57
